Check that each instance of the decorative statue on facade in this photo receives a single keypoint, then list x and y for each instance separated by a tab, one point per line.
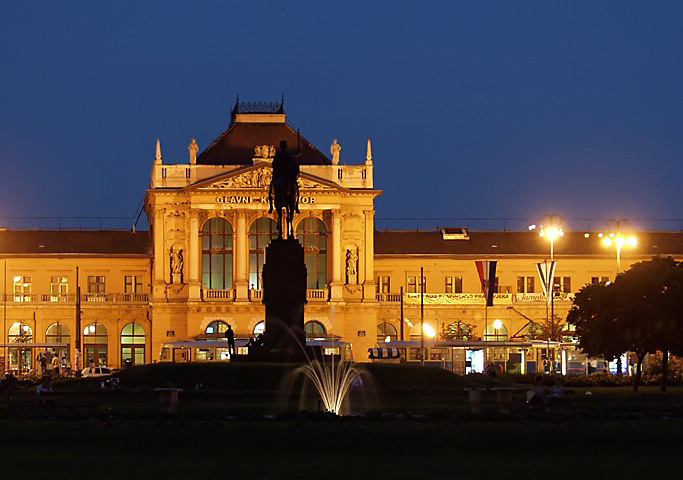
176	264
351	265
284	189
335	148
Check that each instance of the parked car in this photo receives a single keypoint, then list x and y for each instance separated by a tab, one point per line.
96	372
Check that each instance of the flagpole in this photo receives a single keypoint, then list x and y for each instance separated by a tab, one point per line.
422	317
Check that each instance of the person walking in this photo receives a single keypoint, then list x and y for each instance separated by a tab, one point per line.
230	335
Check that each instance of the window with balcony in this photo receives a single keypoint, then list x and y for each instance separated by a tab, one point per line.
413	286
22	288
562	284
96	284
261	232
526	284
216	238
132	284
383	284
453	284
59	288
312	234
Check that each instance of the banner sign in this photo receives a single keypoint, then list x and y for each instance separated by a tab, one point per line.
487	276
546	273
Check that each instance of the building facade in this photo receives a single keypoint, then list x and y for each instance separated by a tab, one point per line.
123	297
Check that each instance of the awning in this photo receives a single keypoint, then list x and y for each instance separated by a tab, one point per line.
375	353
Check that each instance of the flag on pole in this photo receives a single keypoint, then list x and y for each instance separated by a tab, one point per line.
546	272
487	277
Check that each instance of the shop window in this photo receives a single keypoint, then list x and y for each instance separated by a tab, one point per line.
496	332
95	349
59	333
216	239
386	330
133	341
312	235
261	232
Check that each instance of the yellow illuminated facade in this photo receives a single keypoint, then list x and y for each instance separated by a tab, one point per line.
198	268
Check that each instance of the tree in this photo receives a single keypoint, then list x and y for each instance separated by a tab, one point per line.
642	311
456	331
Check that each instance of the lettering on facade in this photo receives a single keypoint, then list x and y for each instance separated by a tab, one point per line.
246	199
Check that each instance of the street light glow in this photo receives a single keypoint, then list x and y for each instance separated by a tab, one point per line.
497	324
428	330
632	241
607	241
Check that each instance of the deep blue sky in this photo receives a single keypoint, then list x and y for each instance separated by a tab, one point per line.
475	109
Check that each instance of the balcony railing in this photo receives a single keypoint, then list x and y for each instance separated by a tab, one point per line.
388	297
317	295
471	298
70	298
222	295
255	295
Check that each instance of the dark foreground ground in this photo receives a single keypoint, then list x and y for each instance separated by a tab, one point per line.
419	426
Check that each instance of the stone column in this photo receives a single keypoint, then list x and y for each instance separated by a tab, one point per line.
336	283
369	271
160	254
241	255
194	258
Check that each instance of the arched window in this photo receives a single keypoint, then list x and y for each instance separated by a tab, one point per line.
20	333
312	234
216	255
95	345
384	330
457	331
262	231
217	327
259	328
314	329
20	358
496	332
59	333
133	341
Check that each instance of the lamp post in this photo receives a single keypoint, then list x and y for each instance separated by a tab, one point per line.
617	238
551	229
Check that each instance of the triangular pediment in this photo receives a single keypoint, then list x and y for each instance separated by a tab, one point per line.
258	177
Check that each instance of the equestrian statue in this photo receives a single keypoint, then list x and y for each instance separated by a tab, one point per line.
284	189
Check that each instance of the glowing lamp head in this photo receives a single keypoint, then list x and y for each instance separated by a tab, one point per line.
620	241
586	235
428	330
606	241
497	324
632	241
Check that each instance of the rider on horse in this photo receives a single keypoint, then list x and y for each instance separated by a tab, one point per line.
284	166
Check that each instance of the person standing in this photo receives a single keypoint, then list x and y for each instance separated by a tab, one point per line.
230	335
55	365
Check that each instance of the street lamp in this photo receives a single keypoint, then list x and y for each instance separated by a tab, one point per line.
618	238
551	229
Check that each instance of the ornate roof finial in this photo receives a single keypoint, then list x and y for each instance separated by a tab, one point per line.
368	156
193	148
157	159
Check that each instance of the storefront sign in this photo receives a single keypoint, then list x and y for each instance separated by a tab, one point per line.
245	199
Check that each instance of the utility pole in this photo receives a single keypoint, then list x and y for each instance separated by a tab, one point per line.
402	319
422	317
77	360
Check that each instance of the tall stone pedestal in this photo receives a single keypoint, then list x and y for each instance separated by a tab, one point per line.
284	295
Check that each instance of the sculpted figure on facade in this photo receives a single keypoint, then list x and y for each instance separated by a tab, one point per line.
193	148
264	151
259	178
351	265
176	261
335	148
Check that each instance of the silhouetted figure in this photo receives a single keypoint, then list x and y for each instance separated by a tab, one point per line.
284	189
256	342
230	335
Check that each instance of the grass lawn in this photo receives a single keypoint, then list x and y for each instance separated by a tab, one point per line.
419	426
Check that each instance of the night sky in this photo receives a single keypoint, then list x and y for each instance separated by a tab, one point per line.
475	109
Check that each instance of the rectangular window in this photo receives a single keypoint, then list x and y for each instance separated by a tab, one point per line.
562	284
96	284
383	284
187	173
132	284
526	284
163	173
413	286
59	285
22	288
453	284
595	280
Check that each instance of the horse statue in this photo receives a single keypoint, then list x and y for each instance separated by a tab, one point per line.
284	189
